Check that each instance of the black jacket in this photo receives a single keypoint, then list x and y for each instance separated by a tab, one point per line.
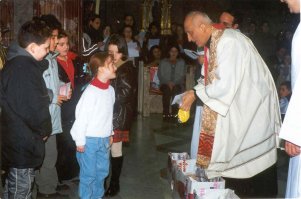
95	35
125	91
25	110
80	80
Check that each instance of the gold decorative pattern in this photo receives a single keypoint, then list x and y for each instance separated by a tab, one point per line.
209	117
165	17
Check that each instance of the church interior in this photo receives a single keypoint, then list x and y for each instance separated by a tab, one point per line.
145	170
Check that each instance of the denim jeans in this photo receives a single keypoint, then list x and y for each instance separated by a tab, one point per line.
19	183
94	167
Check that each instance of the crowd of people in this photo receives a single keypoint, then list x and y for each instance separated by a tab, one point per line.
66	115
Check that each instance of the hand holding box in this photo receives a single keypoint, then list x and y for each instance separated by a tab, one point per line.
65	90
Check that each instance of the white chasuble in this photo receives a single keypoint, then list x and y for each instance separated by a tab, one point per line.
245	98
291	128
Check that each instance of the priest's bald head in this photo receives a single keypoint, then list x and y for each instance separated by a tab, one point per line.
198	27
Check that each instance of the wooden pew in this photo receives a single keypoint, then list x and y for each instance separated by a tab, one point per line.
150	101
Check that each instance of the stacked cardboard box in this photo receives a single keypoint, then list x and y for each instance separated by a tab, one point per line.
187	182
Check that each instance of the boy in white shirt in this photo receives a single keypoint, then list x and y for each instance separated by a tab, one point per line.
92	128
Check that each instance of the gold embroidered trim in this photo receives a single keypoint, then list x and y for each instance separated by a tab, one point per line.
209	117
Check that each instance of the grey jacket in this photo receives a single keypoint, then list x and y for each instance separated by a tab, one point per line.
165	71
53	83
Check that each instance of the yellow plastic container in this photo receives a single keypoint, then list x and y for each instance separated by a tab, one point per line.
183	116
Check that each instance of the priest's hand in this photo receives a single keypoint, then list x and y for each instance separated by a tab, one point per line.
292	149
187	100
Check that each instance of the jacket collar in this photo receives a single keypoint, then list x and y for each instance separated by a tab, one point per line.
97	83
53	54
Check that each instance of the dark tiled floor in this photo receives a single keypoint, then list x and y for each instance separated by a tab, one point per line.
146	155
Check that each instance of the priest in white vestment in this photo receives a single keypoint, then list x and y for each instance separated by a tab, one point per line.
241	115
291	129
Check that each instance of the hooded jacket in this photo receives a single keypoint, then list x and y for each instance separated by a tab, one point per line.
53	83
25	110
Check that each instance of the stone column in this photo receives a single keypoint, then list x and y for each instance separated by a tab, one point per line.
146	14
140	86
23	11
97	4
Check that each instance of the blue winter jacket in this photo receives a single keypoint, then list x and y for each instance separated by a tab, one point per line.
53	84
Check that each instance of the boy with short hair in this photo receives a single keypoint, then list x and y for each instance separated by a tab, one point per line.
93	127
25	113
47	177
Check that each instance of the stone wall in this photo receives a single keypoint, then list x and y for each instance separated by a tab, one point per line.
23	11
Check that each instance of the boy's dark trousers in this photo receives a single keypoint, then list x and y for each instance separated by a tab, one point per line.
19	183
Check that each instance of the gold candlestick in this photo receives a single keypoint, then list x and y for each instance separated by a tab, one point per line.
97	7
165	17
146	14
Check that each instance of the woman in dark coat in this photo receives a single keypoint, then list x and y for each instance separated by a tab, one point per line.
125	85
70	70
